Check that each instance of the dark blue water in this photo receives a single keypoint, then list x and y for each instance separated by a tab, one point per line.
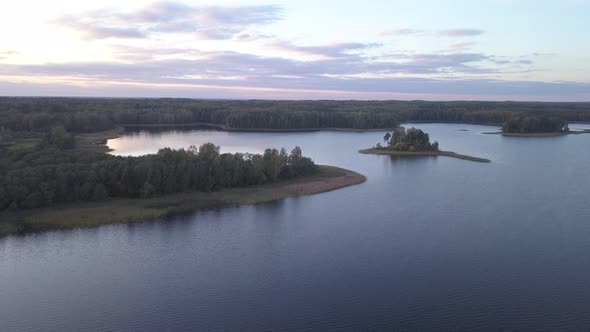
425	244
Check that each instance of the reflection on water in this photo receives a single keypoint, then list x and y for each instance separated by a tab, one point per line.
425	244
579	126
149	141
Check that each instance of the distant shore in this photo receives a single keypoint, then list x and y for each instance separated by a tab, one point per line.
423	154
98	141
572	132
262	130
119	210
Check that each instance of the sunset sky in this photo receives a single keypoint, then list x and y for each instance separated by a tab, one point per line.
374	49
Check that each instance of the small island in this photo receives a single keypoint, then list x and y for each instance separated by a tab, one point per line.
413	142
536	126
522	125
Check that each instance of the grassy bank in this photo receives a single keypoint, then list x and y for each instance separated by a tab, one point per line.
97	141
423	153
129	210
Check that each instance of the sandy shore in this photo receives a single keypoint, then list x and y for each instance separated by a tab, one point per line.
423	154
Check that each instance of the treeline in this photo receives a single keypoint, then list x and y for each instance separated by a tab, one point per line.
94	114
412	140
535	124
49	174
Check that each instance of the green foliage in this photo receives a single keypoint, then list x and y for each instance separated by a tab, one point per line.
535	124
48	174
59	137
387	137
411	140
100	192
298	165
91	115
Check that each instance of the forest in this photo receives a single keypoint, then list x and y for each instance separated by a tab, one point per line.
53	172
535	124
82	115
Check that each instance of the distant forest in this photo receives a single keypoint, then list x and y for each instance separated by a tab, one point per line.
79	115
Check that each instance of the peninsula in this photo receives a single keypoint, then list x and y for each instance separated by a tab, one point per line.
126	210
61	182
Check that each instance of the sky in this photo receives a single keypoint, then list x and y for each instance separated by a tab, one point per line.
257	49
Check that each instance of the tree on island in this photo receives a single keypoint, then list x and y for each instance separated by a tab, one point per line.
387	137
412	140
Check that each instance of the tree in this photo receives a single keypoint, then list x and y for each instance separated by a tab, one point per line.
412	140
273	164
386	137
59	137
535	124
148	190
296	153
398	136
100	193
43	176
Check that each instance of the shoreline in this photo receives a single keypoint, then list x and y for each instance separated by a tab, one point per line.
451	154
574	132
255	130
98	141
127	210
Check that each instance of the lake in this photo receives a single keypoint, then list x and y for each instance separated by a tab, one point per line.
430	243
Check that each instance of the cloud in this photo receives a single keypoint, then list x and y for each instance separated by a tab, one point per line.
435	33
230	68
252	36
438	63
461	46
401	32
93	30
206	22
6	53
460	32
319	88
512	62
344	72
335	50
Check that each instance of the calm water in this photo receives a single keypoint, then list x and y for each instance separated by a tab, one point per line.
424	244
